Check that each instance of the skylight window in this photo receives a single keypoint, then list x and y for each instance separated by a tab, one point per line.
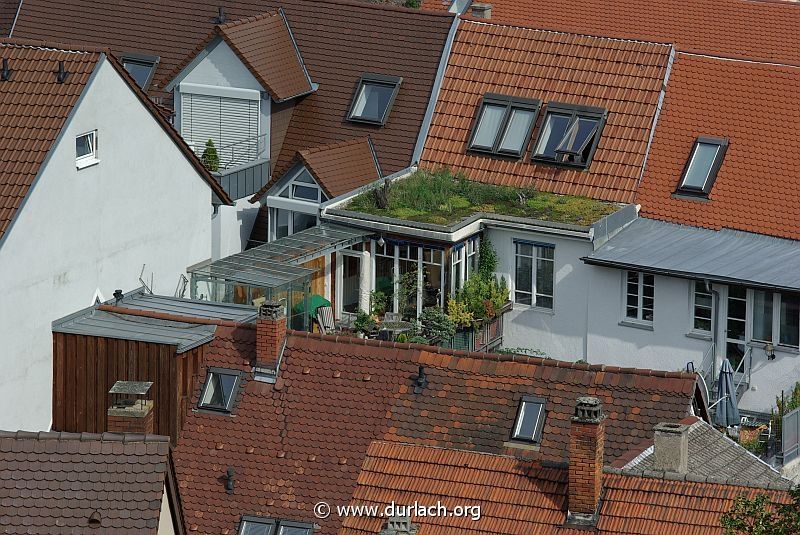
530	420
503	125
254	525
219	390
703	165
374	98
141	68
569	135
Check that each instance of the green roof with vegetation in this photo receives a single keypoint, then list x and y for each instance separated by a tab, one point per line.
442	198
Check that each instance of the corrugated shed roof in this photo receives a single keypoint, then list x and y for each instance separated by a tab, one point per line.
265	45
727	256
303	439
53	482
518	497
342	167
624	77
755	107
34	108
756	29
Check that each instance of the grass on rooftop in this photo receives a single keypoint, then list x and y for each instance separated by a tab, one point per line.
441	198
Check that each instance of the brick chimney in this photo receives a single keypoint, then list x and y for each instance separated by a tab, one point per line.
481	11
586	439
270	334
131	416
671	448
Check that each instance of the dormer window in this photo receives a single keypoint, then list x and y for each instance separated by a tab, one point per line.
530	420
702	167
256	525
219	390
503	125
569	135
141	68
374	98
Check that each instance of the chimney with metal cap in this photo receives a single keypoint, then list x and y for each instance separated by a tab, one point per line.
586	441
671	448
270	334
129	411
481	11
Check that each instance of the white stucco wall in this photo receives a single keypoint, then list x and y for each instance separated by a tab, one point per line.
231	228
559	333
80	230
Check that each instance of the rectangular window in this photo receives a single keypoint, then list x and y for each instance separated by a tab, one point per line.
702	305
775	318
432	260
472	256
287	222
219	391
255	525
374	98
702	166
789	326
639	296
86	149
570	134
503	124
534	273
762	316
530	420
457	271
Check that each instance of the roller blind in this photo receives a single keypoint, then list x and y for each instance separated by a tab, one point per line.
232	123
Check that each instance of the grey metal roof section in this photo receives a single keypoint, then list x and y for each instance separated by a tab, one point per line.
727	256
713	455
191	308
277	263
138	388
94	322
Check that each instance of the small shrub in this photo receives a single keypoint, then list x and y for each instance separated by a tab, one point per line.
210	157
436	325
378	302
364	323
413	4
459	314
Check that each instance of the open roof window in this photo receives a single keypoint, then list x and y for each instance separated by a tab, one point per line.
503	125
569	134
530	420
703	165
219	390
374	98
255	525
140	67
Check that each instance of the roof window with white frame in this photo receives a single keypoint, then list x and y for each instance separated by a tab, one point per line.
256	525
702	166
503	125
530	420
219	390
569	135
374	98
303	187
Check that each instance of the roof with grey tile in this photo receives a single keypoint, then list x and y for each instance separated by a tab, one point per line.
712	455
57	482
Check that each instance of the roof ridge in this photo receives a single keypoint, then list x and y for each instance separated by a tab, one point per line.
382	7
500	24
126	438
694	478
252	18
497	357
51	46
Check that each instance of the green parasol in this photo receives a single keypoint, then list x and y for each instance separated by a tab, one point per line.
314	302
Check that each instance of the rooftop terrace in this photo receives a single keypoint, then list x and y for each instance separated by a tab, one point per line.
443	198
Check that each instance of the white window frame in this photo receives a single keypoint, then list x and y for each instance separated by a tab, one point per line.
692	309
639	319
776	319
87	160
535	294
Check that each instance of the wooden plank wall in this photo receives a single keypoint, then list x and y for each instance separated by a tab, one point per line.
86	367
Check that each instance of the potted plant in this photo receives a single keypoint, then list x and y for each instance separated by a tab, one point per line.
210	158
364	324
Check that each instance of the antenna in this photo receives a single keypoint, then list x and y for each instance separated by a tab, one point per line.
61	73
221	18
5	72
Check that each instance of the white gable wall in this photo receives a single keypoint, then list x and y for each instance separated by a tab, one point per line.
89	229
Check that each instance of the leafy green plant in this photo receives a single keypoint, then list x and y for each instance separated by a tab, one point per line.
436	325
754	446
760	516
378	302
413	4
210	157
483	294
364	322
402	338
418	340
459	314
407	289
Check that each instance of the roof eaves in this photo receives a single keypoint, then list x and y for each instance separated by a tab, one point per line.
215	186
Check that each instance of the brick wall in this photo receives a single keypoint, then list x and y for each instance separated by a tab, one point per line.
270	334
131	424
585	465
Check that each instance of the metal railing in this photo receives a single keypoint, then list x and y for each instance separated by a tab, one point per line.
236	154
709	364
743	369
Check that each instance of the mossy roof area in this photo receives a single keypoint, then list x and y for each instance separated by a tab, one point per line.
442	198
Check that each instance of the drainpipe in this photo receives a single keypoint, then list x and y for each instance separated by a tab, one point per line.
714	326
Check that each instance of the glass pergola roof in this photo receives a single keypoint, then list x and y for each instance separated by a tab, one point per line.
277	263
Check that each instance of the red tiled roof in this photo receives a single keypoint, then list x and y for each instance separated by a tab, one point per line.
525	498
34	109
53	482
8	10
340	167
753	105
339	41
265	45
334	396
624	77
756	29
